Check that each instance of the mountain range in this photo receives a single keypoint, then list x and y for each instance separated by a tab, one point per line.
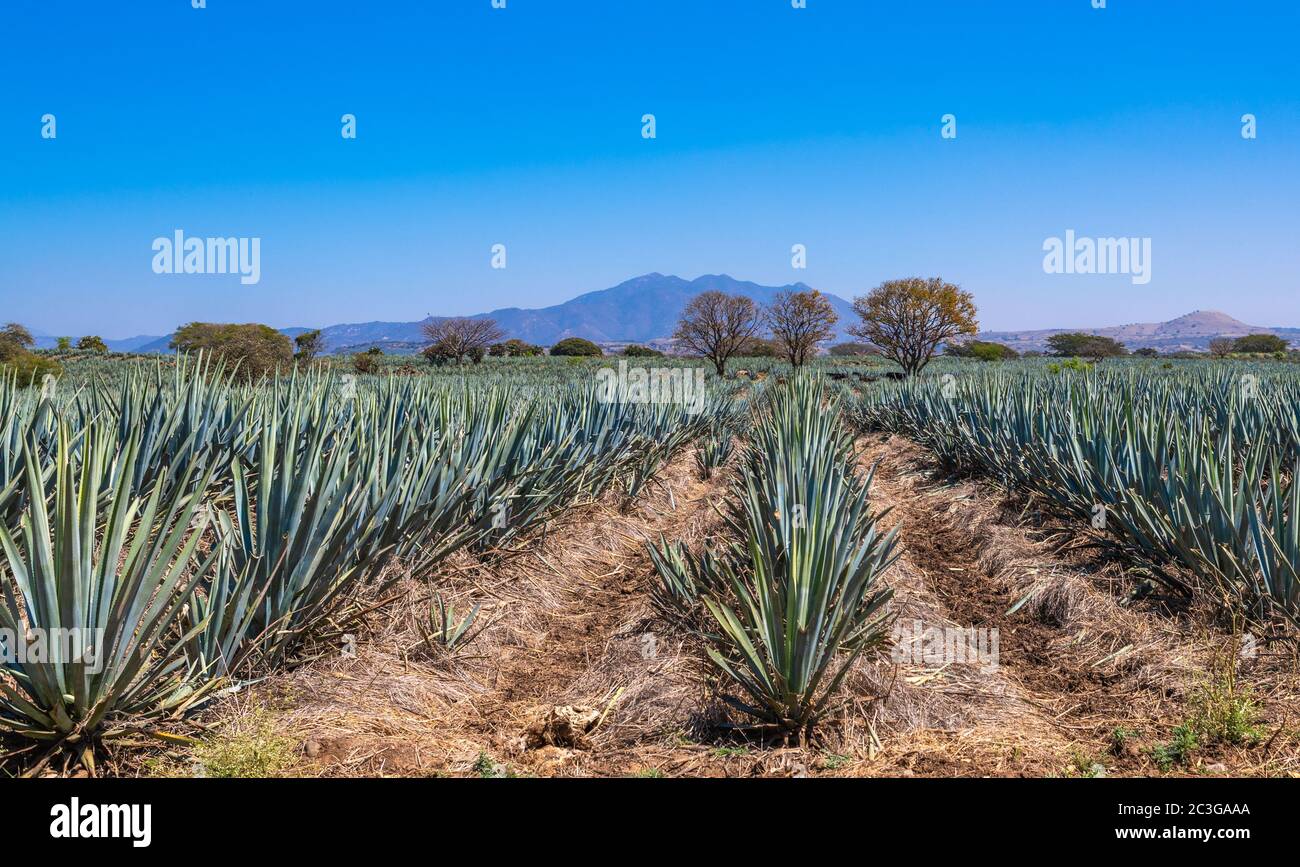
1190	332
645	310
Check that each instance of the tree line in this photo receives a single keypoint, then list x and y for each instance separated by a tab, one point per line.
906	321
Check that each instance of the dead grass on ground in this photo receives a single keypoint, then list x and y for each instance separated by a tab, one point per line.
577	674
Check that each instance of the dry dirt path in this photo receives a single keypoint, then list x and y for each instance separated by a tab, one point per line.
572	676
576	675
1084	684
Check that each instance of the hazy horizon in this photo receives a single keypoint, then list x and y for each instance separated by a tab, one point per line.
984	327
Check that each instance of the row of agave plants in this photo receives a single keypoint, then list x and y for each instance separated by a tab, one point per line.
1191	473
793	595
206	532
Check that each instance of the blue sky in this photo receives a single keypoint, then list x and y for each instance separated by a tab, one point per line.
775	126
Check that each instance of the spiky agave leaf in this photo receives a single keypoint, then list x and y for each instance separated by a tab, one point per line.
799	599
119	577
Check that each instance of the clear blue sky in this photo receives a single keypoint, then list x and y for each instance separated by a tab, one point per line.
522	126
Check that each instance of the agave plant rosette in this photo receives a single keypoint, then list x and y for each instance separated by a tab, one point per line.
795	600
118	577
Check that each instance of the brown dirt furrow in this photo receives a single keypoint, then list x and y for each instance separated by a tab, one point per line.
571	628
576	675
1076	664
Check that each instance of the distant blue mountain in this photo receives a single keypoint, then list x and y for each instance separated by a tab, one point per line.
125	344
639	310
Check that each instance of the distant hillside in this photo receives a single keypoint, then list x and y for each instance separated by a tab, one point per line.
1190	332
163	344
639	310
124	344
645	310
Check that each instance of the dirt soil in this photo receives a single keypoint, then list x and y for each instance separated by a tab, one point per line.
576	674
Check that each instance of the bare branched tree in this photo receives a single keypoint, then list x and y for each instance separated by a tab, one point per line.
1221	347
460	337
717	326
908	319
800	322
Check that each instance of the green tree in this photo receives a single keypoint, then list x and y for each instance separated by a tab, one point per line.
309	344
576	346
515	348
250	351
63	344
983	350
1078	344
1264	343
989	351
92	343
635	351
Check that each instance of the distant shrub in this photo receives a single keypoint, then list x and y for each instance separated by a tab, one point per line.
757	347
1221	347
439	354
636	351
464	337
982	350
28	368
366	362
515	348
576	346
1146	352
1077	343
1074	364
257	350
92	343
1266	343
16	334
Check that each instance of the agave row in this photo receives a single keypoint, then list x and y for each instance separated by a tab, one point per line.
787	606
1190	472
206	530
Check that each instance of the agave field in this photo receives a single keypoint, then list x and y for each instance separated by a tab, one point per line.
212	535
1191	473
209	531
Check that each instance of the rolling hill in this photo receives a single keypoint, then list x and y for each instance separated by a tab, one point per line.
639	310
645	310
1192	331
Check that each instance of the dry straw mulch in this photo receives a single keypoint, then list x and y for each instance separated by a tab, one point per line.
577	675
